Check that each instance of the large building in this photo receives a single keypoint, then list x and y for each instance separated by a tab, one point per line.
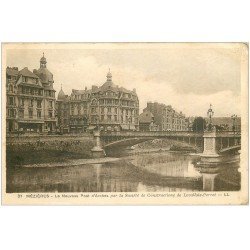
30	104
165	117
109	107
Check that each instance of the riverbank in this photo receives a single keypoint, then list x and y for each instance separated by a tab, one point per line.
63	149
35	150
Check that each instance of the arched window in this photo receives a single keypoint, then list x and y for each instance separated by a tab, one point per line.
11	88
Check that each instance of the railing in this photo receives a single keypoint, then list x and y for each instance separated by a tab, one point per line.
152	133
165	133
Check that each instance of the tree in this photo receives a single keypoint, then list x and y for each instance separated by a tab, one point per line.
199	124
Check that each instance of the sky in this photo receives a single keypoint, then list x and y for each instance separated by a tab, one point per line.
187	76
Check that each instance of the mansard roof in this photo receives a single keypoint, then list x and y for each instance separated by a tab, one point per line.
44	74
26	72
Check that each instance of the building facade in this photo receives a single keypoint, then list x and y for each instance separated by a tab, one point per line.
166	118
108	107
30	104
146	122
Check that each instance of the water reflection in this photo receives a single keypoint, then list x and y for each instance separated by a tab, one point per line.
154	172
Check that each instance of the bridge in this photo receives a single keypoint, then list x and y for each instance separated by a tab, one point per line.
211	143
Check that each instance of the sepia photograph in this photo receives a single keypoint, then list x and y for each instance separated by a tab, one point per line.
125	123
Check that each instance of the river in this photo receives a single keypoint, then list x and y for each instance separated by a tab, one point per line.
151	172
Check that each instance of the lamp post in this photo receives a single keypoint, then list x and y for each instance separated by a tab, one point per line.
210	114
97	151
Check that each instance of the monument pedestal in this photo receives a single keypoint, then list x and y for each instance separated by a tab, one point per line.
210	154
97	150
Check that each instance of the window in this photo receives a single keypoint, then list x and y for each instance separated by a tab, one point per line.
115	118
22	102
102	110
31	103
30	113
116	110
93	119
39	103
11	100
102	117
51	104
109	118
93	110
11	113
50	114
20	113
11	88
25	79
109	110
79	112
39	114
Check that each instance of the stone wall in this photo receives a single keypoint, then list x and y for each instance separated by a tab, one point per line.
48	148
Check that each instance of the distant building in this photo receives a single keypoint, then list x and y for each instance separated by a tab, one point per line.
146	121
110	107
166	118
30	105
62	107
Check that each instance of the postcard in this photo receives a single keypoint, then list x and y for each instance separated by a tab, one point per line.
125	123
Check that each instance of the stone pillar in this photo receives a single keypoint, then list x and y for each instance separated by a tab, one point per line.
97	151
210	144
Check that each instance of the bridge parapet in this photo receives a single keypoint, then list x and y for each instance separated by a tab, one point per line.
153	133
